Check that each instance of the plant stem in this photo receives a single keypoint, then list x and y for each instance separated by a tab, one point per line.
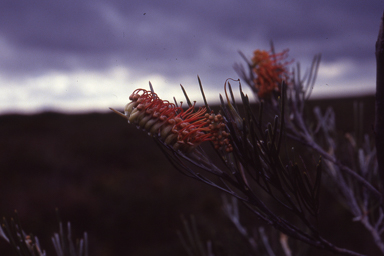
379	118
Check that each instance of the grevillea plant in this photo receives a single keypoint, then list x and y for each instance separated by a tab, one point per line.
254	164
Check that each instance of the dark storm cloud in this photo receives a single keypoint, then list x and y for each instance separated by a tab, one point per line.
176	38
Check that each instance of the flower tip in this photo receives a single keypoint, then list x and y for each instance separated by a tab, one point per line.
119	113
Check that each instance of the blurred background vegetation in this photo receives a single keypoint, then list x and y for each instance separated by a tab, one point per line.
110	179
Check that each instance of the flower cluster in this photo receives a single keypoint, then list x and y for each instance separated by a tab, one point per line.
270	71
182	129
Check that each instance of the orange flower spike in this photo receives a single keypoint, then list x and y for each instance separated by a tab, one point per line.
188	111
270	70
142	114
168	120
147	111
168	111
191	131
197	138
198	118
151	114
182	116
180	129
193	128
191	140
260	57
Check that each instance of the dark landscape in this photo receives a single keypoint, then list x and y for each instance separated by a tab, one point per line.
111	180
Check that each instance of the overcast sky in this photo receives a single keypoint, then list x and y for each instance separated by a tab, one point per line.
88	55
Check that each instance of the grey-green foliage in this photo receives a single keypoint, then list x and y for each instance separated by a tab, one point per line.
28	245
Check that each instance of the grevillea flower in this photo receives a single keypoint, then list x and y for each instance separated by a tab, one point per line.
270	70
182	129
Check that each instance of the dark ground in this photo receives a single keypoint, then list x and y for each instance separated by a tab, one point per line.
110	179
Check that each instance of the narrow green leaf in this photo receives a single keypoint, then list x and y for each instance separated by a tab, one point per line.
186	96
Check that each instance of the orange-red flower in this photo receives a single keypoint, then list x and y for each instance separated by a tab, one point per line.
270	70
183	129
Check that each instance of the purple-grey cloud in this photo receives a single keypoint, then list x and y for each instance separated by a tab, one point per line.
176	38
